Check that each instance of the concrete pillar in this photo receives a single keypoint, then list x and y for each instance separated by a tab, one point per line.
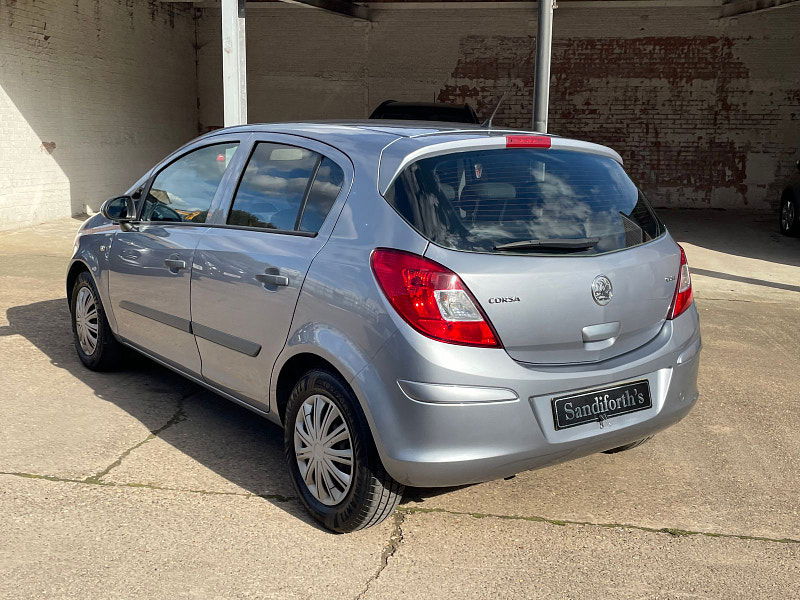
234	64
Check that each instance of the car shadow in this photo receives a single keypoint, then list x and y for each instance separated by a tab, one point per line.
736	233
236	444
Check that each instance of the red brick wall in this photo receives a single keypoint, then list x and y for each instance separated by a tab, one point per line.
683	111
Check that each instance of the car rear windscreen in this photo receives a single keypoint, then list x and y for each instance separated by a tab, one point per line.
524	200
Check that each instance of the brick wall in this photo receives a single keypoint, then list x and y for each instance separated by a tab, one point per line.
705	111
92	93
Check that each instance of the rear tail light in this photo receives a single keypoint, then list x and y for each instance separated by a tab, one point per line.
683	289
432	299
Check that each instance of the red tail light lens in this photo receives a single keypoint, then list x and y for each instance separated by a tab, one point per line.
683	289
432	299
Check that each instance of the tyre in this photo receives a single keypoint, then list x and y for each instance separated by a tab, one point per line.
332	458
789	215
96	345
630	446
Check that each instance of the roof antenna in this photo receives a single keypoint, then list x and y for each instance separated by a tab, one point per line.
488	122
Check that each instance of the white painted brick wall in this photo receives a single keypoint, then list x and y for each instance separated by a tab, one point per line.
92	93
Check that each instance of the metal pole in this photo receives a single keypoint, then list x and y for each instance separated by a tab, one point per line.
544	42
234	70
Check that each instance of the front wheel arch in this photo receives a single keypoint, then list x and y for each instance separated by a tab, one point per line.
75	269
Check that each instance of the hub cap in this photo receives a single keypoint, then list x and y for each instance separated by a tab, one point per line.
323	449
86	320
787	215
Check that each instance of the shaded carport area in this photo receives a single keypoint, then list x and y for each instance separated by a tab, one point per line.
139	484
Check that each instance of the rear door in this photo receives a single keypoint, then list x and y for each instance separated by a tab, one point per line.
250	266
559	247
149	266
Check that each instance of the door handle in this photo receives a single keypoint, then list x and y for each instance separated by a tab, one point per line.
175	264
271	277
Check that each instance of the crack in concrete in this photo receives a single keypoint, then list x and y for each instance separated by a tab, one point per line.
148	486
389	550
177	417
396	537
563	522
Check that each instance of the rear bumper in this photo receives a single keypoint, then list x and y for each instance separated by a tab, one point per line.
428	439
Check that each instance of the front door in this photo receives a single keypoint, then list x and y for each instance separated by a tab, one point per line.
249	267
150	266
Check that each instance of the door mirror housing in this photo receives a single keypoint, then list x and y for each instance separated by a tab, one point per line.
120	210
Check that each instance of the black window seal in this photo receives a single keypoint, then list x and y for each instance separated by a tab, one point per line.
310	234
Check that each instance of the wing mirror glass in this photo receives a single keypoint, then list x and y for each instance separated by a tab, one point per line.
121	210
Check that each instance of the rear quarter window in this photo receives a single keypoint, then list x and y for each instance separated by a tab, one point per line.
561	200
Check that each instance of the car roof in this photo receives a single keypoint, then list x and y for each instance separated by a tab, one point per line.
398	128
394	143
365	135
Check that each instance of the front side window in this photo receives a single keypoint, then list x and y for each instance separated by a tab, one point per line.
524	200
286	188
184	190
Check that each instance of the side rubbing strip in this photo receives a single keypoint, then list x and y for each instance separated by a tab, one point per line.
207	333
157	315
225	339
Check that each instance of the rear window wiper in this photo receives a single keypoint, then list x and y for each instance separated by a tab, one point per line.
551	244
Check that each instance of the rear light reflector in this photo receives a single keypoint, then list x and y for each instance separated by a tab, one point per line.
431	298
683	289
528	141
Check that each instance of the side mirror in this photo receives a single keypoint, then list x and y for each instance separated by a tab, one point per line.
797	164
121	210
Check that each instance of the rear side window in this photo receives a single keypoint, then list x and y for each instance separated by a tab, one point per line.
524	200
286	188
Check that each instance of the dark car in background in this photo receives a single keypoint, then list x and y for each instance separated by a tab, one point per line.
789	210
425	111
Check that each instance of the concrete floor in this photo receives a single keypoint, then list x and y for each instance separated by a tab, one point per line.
139	484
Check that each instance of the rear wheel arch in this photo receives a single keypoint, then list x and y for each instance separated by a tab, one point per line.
293	370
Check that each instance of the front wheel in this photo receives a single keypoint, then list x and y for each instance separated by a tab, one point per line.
96	345
790	215
332	458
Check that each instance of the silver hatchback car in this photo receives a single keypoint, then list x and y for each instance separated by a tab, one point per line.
416	303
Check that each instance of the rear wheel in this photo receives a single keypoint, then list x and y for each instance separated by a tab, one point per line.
95	344
790	215
628	446
332	458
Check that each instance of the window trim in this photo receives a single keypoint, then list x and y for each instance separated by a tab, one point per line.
309	234
172	159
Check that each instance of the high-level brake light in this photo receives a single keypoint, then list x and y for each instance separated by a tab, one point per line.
528	141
